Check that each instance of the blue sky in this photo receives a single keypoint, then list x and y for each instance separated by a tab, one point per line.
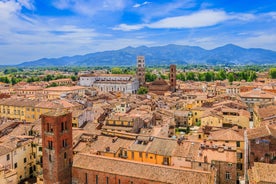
34	29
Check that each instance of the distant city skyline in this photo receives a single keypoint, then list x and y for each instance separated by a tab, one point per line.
32	29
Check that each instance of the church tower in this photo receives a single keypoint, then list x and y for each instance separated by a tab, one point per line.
141	70
173	78
57	147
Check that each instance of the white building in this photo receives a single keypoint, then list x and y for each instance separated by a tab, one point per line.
111	82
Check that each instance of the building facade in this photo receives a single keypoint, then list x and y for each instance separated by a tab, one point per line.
111	82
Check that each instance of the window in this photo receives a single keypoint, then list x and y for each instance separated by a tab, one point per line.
227	176
239	166
15	165
63	126
239	155
50	158
8	156
40	148
97	179
119	181
166	160
25	160
50	145
65	155
49	127
64	143
86	178
238	144
107	180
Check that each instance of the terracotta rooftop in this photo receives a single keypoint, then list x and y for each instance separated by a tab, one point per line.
257	93
227	135
211	154
262	131
186	149
162	146
64	88
152	172
102	143
262	173
30	88
107	75
266	112
55	104
19	102
4	150
55	113
159	81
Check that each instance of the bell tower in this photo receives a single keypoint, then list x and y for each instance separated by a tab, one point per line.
57	147
141	70
173	77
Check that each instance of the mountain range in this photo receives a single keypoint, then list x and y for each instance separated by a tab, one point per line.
163	55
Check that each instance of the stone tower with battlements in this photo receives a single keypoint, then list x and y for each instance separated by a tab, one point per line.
57	147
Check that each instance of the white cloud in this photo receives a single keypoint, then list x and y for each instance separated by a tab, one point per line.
198	19
8	8
242	16
142	4
26	38
90	7
125	27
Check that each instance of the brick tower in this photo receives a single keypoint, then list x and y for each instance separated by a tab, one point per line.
57	147
173	77
141	70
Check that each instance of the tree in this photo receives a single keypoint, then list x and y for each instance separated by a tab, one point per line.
221	75
190	76
14	80
142	90
4	79
230	77
53	85
272	73
48	78
180	76
209	76
74	78
116	70
150	77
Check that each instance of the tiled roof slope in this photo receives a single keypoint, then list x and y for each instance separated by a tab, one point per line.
152	172
263	173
